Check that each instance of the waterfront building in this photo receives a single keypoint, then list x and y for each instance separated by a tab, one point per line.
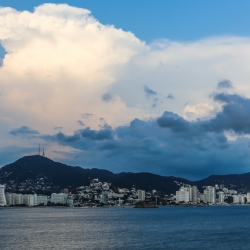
141	195
248	197
59	198
18	199
10	199
189	189
66	190
221	197
241	199
194	194
28	200
182	195
235	199
210	194
2	196
40	199
105	197
202	197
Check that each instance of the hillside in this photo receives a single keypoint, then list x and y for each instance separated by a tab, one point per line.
38	174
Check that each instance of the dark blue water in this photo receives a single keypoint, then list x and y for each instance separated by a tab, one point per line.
125	228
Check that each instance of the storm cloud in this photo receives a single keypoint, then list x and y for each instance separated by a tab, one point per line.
24	131
225	84
170	144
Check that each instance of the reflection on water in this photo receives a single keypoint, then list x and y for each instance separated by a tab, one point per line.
125	228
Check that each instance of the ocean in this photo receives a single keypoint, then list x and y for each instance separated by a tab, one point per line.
225	227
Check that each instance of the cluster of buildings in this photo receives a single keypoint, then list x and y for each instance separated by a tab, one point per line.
15	199
210	195
99	193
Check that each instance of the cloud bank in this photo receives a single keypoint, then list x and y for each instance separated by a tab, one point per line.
104	91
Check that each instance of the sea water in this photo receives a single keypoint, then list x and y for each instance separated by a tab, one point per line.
225	227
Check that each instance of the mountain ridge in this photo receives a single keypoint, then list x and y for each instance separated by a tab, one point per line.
50	176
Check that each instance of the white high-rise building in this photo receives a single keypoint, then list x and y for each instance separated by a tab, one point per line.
202	197
10	199
194	194
182	195
241	198
28	200
18	199
2	196
141	195
59	198
40	199
189	189
221	197
235	199
210	194
248	197
105	197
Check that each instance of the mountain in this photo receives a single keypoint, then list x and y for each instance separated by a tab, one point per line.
41	175
239	182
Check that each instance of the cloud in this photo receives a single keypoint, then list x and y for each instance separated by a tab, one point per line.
80	122
60	60
107	97
225	84
59	128
170	144
149	92
170	96
86	115
24	131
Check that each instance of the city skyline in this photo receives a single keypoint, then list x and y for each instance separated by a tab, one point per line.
140	94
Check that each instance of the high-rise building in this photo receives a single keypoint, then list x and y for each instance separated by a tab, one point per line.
248	197
41	199
141	195
59	198
221	197
28	200
105	197
194	194
10	199
241	198
182	195
235	199
210	194
2	196
14	199
202	197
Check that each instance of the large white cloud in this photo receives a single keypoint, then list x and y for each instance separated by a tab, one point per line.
60	61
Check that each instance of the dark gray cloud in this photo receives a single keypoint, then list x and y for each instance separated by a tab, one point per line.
81	122
24	131
225	84
58	128
107	97
149	92
169	145
86	115
151	95
170	96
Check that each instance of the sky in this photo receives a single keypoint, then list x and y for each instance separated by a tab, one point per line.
127	86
